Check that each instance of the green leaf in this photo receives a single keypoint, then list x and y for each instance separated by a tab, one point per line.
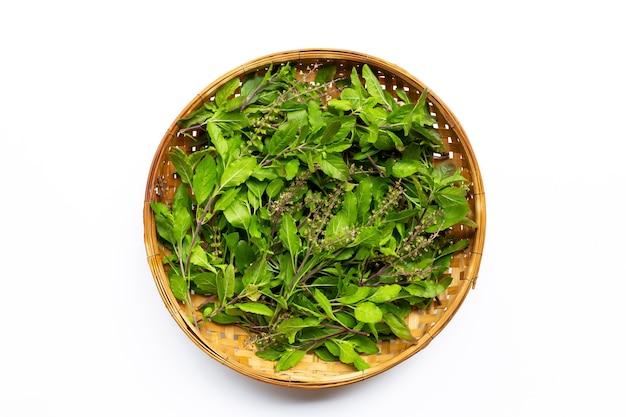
431	134
451	196
355	295
182	215
251	85
368	312
255	308
427	288
226	91
421	113
164	221
274	187
352	96
290	327
288	234
283	137
291	169
364	344
269	354
324	354
205	282
363	193
348	355
204	179
199	258
398	326
178	285
368	237
350	207
341	105
452	215
330	132
405	168
337	226
455	247
238	172
238	214
325	74
226	199
385	293
244	256
289	359
182	165
217	138
373	87
316	120
225	284
335	167
257	273
323	301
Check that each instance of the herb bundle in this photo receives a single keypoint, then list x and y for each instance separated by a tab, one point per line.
311	213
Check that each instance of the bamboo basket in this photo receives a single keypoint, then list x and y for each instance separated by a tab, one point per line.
227	343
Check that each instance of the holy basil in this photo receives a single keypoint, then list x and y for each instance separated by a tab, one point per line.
315	223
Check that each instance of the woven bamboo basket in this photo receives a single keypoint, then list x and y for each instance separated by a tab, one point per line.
227	343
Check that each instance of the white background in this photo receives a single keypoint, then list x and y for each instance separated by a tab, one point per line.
87	90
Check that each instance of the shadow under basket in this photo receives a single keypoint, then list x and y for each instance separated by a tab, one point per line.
228	343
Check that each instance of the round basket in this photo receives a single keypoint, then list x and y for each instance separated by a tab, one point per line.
227	343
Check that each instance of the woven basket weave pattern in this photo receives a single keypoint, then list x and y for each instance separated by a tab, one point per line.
227	343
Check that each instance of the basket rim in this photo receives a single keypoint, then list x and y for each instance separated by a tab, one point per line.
297	55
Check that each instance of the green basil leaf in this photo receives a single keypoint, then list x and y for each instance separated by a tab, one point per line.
255	308
237	172
405	168
325	74
398	326
341	105
337	225
257	273
274	187
244	256
348	355
330	132
226	91
204	179
290	327
225	283
218	140
323	301
335	167
355	295
385	293
421	113
269	354
455	247
178	285
164	221
364	344
238	214
289	359
199	258
324	354
226	199
373	87
426	288
350	207
182	215
183	168
205	282
288	234
368	312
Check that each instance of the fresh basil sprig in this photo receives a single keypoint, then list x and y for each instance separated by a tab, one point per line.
311	213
